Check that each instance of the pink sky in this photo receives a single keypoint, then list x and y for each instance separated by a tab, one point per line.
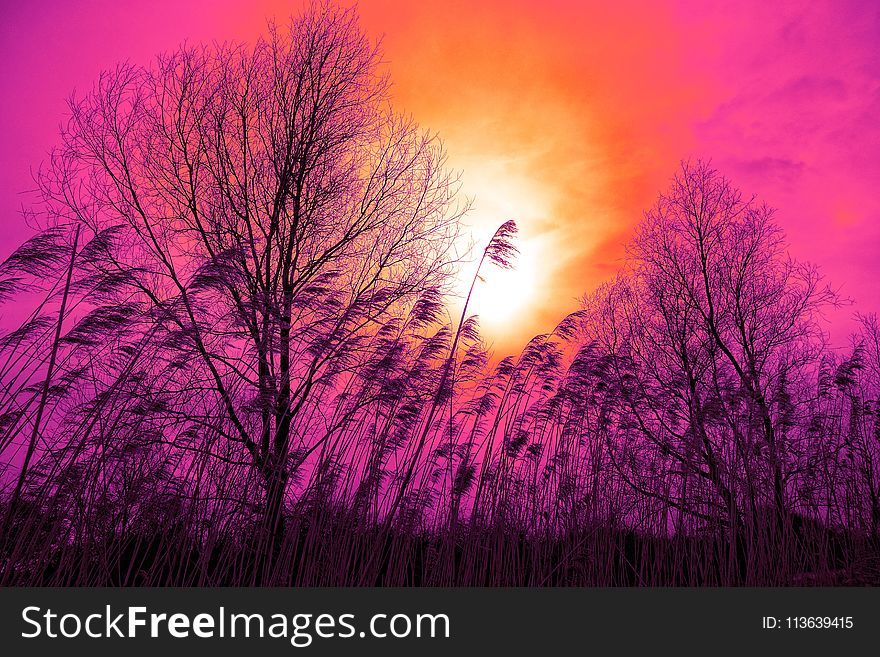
569	118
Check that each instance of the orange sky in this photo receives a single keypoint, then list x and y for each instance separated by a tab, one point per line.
569	117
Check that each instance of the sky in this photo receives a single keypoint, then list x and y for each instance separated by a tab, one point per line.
569	117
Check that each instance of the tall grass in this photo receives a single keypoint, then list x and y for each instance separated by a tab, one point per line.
541	473
238	368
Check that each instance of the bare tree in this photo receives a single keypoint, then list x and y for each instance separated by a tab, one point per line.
262	212
718	320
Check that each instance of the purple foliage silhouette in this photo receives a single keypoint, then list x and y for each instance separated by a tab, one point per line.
238	366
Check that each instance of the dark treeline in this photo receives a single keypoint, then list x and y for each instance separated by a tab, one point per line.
235	364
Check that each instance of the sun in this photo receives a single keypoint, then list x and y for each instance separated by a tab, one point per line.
505	300
501	295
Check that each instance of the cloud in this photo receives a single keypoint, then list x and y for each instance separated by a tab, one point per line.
776	169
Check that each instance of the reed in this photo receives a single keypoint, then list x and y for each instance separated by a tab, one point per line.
237	369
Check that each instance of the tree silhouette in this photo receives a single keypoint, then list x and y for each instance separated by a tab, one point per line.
260	213
239	365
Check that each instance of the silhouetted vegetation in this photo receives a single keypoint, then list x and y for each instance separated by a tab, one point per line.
238	366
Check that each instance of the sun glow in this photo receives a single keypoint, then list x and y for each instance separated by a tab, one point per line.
502	298
501	295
